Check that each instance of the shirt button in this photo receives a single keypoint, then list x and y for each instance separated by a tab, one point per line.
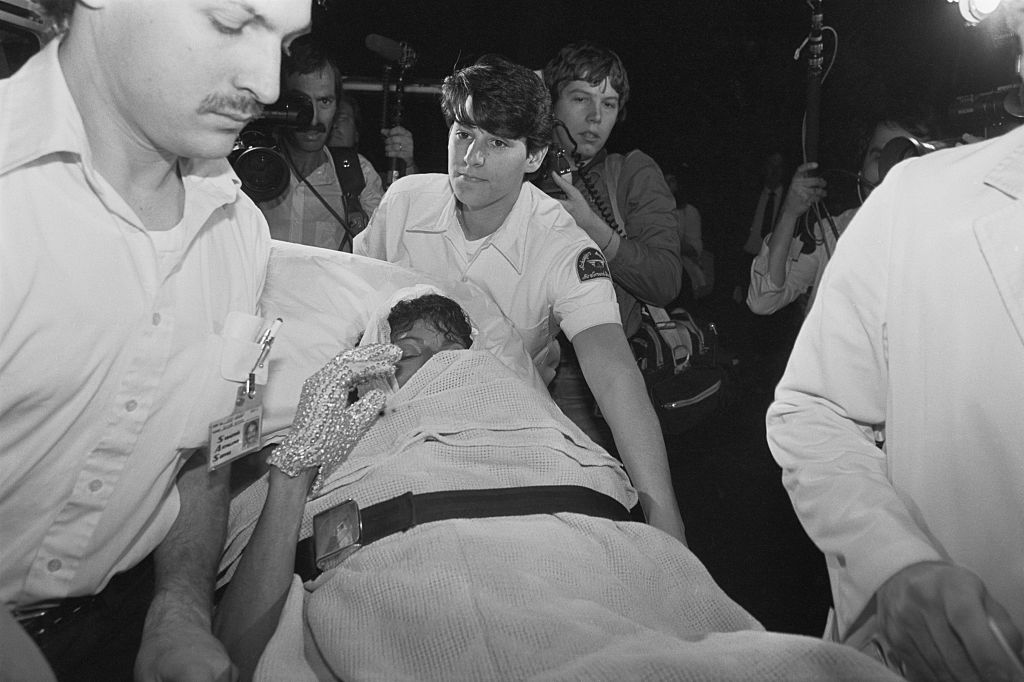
131	405
95	484
53	565
156	319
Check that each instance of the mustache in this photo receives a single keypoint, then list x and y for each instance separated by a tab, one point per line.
237	105
313	128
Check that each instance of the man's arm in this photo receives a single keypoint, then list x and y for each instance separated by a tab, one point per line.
249	612
177	642
804	191
325	430
774	281
615	381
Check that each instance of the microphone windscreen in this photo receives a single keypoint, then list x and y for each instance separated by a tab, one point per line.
385	47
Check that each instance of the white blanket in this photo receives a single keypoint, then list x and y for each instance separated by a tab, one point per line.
562	596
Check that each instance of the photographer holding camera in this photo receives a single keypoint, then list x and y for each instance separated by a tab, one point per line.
917	329
331	191
589	89
621	201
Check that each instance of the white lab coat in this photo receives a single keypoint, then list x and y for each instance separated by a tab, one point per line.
918	326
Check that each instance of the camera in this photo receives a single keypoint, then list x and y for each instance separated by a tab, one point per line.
982	115
556	160
255	157
989	113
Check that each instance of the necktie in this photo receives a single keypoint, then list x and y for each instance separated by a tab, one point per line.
768	220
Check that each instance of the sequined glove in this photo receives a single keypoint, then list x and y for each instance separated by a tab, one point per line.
326	427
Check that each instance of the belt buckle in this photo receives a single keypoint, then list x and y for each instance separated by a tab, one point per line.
336	534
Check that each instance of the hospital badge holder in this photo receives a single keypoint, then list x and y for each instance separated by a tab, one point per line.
241	432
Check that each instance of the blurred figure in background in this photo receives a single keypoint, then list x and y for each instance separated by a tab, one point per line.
791	260
698	264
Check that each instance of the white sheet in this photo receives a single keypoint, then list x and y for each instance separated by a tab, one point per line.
561	596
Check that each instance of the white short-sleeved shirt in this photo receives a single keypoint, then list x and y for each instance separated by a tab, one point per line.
541	269
300	217
113	356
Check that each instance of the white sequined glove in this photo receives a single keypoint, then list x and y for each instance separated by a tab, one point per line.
326	427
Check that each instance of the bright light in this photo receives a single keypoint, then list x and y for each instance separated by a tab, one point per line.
973	11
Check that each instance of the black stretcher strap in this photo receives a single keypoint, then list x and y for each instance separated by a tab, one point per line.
405	511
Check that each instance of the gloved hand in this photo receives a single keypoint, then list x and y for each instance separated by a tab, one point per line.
326	427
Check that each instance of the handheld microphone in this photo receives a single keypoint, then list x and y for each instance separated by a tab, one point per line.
389	49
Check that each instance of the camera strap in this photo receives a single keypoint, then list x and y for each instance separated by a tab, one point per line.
345	227
350	177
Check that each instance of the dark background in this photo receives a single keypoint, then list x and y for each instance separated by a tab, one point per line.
714	84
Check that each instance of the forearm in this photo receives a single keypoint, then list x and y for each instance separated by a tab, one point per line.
764	296
249	612
845	502
598	230
177	641
622	396
638	439
186	560
778	247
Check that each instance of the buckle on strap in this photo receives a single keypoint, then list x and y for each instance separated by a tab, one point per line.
337	533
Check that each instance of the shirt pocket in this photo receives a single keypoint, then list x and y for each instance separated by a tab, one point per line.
221	364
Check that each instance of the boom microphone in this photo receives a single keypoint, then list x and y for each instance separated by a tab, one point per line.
389	49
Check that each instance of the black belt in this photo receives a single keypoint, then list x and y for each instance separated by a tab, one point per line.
41	619
350	527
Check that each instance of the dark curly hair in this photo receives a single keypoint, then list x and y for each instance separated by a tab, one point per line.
509	100
443	313
586	61
308	55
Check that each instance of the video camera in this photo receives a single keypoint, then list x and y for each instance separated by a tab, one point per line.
257	161
982	115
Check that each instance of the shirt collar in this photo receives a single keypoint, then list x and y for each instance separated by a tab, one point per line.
508	239
37	90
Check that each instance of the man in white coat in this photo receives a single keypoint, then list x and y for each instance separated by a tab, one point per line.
917	333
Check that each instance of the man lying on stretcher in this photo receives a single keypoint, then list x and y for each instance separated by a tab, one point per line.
531	568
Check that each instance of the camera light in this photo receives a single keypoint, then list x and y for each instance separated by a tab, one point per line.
973	11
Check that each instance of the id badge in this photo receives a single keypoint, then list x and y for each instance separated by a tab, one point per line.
241	432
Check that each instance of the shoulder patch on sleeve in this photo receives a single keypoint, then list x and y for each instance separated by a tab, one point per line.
590	264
